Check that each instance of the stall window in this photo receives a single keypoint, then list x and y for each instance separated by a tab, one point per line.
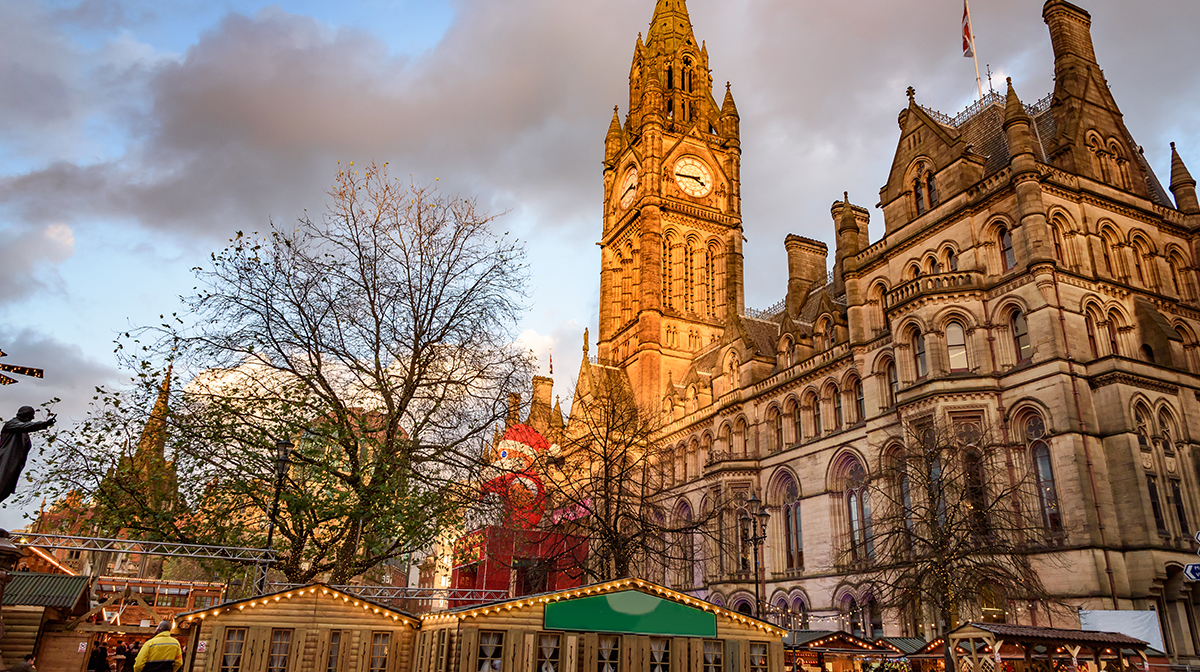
714	653
660	654
758	657
335	651
547	652
380	641
204	601
608	654
281	649
231	652
490	646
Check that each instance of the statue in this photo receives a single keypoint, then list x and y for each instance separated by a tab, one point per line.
14	447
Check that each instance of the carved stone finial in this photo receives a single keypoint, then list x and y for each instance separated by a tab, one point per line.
727	85
912	93
585	341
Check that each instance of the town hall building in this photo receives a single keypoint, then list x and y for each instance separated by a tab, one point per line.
1027	275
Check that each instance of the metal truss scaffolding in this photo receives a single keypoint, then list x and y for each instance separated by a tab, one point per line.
164	548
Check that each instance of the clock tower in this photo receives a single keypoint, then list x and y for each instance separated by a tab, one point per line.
671	268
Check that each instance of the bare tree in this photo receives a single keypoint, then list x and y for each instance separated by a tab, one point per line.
604	491
951	527
378	340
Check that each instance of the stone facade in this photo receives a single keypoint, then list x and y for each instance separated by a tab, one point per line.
1032	275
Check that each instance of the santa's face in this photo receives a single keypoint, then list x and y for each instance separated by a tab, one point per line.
510	457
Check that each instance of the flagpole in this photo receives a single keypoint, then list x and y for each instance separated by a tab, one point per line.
974	56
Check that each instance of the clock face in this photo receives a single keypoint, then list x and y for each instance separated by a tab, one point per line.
693	176
628	188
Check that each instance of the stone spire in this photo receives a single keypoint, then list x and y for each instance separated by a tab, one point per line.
670	29
1183	185
153	441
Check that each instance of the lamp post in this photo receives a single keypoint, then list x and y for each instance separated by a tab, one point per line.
754	530
283	459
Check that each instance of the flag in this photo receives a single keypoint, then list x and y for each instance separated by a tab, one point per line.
551	361
968	38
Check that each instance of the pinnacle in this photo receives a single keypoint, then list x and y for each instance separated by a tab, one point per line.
1014	110
1179	172
728	107
614	128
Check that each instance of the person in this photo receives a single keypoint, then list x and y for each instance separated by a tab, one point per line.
14	448
26	665
130	656
160	653
98	662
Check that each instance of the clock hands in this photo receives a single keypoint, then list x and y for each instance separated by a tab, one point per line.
691	177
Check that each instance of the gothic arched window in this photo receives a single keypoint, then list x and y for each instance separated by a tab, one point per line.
952	261
1090	322
919	196
1043	471
920	363
1056	238
816	414
793	542
1113	342
1007	256
956	347
1020	334
858	512
797	422
931	189
668	265
893	385
860	401
838	416
777	425
976	493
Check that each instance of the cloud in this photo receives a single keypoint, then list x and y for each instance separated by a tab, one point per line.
70	375
26	254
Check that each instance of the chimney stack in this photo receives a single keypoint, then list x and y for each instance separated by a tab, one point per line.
806	269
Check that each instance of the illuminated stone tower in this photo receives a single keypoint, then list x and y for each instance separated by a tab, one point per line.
671	274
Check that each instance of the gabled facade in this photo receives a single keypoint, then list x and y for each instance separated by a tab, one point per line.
1031	274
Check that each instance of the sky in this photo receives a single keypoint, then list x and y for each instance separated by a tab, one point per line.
137	136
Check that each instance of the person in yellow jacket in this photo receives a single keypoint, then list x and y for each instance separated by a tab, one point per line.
160	653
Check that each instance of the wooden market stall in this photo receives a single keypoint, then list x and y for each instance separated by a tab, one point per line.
1000	647
311	628
833	651
36	608
627	625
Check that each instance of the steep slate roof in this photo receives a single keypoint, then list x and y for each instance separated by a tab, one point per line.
30	589
982	127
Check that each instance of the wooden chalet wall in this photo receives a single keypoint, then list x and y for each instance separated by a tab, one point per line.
313	614
449	641
21	627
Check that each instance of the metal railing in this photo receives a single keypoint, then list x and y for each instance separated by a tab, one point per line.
163	548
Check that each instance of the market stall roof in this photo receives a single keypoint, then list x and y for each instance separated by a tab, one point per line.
1039	640
31	589
832	641
627	605
312	589
902	645
1039	635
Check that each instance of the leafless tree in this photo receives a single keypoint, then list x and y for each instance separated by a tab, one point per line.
377	339
604	492
953	527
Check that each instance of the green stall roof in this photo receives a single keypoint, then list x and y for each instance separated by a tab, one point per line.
632	612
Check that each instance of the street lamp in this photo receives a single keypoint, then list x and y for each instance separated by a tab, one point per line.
754	531
283	459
